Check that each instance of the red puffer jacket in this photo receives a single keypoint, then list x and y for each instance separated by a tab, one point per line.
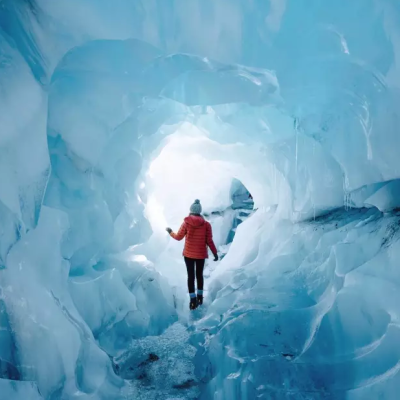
198	234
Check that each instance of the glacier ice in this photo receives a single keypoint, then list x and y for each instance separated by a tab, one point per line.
19	390
114	117
325	293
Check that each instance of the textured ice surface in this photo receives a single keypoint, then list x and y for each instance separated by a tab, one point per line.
19	390
161	367
115	115
313	314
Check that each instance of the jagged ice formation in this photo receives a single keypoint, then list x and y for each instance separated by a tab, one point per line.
115	115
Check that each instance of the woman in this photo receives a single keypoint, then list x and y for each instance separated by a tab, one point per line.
198	233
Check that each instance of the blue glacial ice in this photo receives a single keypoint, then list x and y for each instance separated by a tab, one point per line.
114	116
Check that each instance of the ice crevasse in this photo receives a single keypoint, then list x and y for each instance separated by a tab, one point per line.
114	116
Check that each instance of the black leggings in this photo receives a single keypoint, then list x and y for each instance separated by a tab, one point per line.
191	265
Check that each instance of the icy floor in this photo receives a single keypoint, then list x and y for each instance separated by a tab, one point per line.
161	367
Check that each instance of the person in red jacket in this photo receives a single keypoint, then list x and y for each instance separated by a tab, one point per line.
198	233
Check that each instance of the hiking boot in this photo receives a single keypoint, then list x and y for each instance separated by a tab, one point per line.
193	303
199	299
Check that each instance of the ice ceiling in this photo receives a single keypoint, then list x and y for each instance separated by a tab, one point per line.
115	115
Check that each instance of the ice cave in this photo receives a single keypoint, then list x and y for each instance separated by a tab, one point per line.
282	116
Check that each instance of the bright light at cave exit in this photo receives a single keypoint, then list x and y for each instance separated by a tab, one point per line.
185	170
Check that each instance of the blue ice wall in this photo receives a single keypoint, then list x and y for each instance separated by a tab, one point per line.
90	88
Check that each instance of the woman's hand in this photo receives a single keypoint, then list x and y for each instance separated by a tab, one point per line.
169	230
215	257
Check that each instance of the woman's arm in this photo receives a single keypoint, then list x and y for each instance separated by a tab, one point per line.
209	239
181	233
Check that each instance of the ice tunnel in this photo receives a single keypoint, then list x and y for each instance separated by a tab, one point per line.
115	116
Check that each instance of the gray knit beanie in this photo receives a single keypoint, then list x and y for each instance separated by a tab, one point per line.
195	208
